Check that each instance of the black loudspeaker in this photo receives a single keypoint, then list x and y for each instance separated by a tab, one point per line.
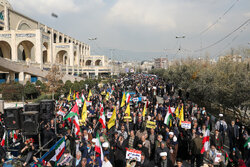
47	108
30	125
12	118
32	107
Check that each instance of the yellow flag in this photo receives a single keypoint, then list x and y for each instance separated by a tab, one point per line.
144	111
181	116
123	99
90	94
177	111
74	96
127	111
68	98
107	96
84	112
170	124
112	120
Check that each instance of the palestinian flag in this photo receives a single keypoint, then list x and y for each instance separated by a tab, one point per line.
102	117
168	117
70	115
98	146
77	125
75	109
3	139
55	152
205	142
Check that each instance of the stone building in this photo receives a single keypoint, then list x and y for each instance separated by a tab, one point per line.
32	48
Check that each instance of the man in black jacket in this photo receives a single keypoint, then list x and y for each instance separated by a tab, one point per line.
233	134
143	149
145	161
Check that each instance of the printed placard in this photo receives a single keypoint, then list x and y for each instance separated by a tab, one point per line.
109	114
185	124
151	124
133	154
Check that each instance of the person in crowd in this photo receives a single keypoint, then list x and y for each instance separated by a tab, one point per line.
196	146
66	160
27	151
106	162
233	134
168	143
165	161
76	162
221	125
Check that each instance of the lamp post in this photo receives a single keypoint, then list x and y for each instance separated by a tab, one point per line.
180	37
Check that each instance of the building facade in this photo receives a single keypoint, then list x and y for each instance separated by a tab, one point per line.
30	43
161	63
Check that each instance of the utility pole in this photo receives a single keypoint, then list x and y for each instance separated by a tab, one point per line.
111	55
180	37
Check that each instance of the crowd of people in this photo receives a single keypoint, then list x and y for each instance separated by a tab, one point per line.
166	143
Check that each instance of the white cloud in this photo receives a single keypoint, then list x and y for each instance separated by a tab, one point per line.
153	13
46	6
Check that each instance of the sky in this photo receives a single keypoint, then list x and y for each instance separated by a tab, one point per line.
136	30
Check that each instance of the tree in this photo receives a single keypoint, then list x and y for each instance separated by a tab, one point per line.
30	90
53	79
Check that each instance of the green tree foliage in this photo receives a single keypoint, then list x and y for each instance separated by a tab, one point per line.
12	91
41	86
225	84
30	91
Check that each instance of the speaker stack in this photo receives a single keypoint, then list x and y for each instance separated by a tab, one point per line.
47	108
30	122
29	119
12	118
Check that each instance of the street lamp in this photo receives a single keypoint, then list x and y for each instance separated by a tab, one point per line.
92	39
181	36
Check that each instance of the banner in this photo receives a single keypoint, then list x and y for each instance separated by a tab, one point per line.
185	124
127	117
133	154
109	114
151	124
136	99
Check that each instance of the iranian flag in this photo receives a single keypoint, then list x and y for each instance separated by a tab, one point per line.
3	139
98	146
77	125
14	136
169	116
128	98
55	152
82	98
102	117
205	142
